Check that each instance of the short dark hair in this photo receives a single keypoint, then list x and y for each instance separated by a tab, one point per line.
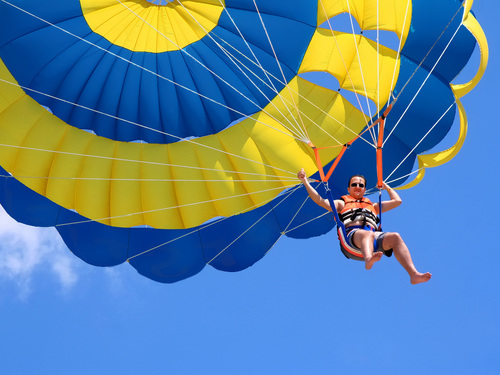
356	175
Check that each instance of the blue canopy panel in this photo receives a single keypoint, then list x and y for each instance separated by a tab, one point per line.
108	78
430	19
24	205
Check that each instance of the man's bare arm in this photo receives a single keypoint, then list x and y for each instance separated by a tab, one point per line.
314	195
395	199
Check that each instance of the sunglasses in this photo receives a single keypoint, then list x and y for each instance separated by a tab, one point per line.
354	184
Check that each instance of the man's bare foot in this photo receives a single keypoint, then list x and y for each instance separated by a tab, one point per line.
420	278
375	258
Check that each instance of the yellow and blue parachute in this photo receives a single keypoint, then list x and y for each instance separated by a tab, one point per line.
169	133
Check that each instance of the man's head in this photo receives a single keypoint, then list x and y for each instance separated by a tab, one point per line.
357	186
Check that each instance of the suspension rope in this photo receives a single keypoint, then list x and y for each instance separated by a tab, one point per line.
279	65
345	65
287	103
295	131
141	161
307	222
178	206
273	179
422	139
143	126
400	46
289	193
267	74
360	66
260	219
430	50
423	83
302	97
296	127
286	230
405	176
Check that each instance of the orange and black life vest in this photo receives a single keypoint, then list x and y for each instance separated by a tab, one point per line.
358	210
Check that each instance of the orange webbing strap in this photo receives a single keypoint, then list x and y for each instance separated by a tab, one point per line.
381	121
324	177
318	161
380	143
380	172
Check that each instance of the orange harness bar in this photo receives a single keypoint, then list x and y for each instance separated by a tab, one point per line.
380	142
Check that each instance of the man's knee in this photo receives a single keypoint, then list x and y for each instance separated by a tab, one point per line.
363	236
391	240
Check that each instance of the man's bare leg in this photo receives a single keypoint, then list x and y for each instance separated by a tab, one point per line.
402	254
363	240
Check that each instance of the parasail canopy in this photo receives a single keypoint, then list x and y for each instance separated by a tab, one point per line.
169	134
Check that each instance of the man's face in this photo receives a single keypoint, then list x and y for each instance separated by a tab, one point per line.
357	187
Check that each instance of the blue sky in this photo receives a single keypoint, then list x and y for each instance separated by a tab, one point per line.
303	309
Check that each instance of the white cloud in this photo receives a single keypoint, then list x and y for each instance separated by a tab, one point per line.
26	251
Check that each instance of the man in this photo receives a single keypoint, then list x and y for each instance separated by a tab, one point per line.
361	229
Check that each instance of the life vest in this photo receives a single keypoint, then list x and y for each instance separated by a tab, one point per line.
358	210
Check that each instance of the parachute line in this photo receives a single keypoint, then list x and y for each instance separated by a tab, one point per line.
178	206
398	56
170	241
286	230
273	180
295	215
140	161
134	123
360	68
423	83
256	222
307	222
267	74
345	66
296	131
422	139
289	193
432	47
406	175
279	66
307	100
